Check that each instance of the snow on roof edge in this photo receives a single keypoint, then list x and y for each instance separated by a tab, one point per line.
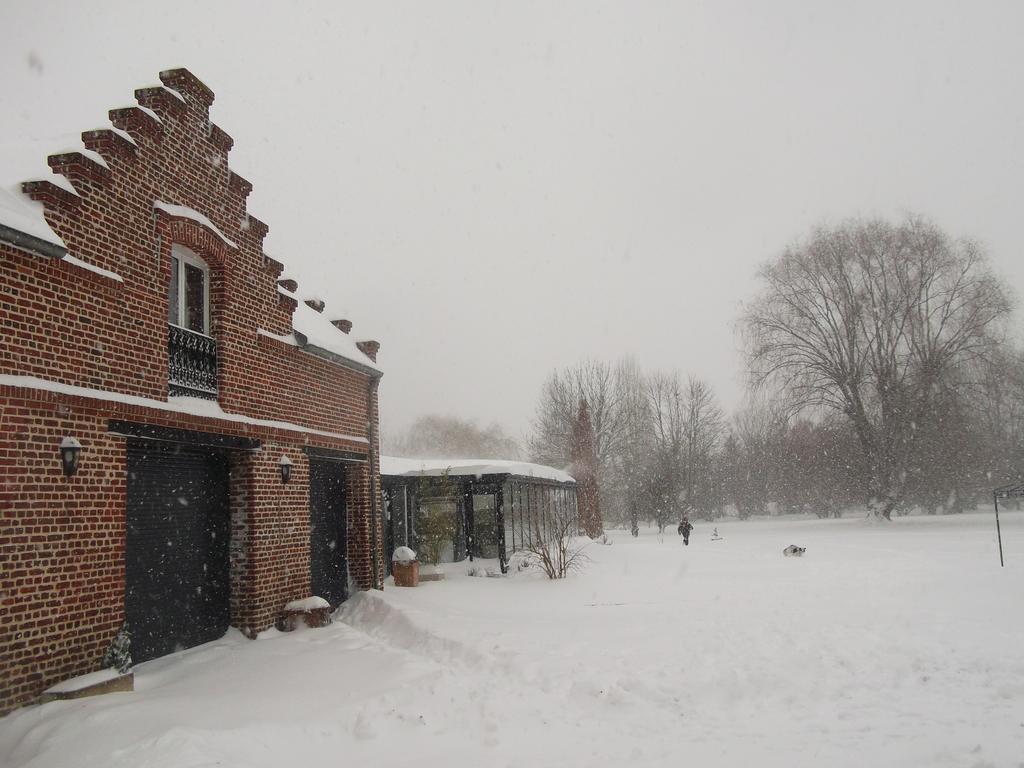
93	268
184	212
190	405
22	214
396	466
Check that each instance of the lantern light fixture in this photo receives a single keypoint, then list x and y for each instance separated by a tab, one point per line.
285	465
70	449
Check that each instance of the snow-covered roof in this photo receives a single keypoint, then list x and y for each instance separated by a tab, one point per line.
22	214
398	467
313	329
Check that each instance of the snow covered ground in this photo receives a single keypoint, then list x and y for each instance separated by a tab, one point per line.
885	645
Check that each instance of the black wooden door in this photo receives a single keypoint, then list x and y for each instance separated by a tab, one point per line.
176	548
328	557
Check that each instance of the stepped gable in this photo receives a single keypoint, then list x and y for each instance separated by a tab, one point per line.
167	159
160	174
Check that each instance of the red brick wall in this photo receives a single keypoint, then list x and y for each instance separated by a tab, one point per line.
62	539
61	547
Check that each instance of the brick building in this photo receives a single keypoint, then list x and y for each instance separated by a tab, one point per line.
141	319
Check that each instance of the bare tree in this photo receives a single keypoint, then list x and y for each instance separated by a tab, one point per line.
703	428
554	542
628	491
594	381
750	455
686	427
447	437
606	388
667	410
866	319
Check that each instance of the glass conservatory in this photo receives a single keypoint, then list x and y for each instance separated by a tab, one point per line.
450	510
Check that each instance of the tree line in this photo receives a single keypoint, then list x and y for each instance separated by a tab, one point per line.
883	375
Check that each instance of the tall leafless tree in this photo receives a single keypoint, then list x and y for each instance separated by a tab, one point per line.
867	318
594	381
703	429
448	437
667	410
611	391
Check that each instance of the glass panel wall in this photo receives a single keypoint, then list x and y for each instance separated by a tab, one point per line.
508	512
438	521
485	525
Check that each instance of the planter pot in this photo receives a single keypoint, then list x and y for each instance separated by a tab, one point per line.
406	574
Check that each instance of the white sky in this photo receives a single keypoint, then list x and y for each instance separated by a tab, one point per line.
496	189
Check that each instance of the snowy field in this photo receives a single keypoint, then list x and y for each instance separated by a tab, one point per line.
886	645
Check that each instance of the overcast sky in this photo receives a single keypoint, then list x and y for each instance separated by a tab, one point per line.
493	190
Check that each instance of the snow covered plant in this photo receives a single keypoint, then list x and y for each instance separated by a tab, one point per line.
436	521
554	544
118	655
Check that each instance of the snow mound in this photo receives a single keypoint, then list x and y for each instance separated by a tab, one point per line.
375	616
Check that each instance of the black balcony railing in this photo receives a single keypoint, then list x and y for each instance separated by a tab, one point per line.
192	363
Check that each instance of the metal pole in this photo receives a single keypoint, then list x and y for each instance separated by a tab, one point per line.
999	535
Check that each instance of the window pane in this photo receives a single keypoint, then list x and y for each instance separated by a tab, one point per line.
172	293
195	298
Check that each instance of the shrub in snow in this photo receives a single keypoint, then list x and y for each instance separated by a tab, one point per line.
403	555
118	655
553	543
436	523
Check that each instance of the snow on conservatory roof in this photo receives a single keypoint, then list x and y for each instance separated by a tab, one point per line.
398	467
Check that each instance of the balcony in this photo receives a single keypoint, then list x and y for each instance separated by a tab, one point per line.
192	363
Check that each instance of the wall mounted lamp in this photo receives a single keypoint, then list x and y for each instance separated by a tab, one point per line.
70	448
285	465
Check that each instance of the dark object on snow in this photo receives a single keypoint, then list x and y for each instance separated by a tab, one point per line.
794	551
685	526
715	536
1012	491
118	656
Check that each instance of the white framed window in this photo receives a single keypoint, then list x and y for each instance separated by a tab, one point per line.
188	296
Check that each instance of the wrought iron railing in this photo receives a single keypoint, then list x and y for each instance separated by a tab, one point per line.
192	363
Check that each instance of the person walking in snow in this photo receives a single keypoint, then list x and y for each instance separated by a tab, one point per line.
684	530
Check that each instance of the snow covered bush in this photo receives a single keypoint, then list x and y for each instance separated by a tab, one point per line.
118	655
437	519
437	531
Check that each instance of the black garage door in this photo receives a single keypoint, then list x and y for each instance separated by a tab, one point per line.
176	548
328	558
